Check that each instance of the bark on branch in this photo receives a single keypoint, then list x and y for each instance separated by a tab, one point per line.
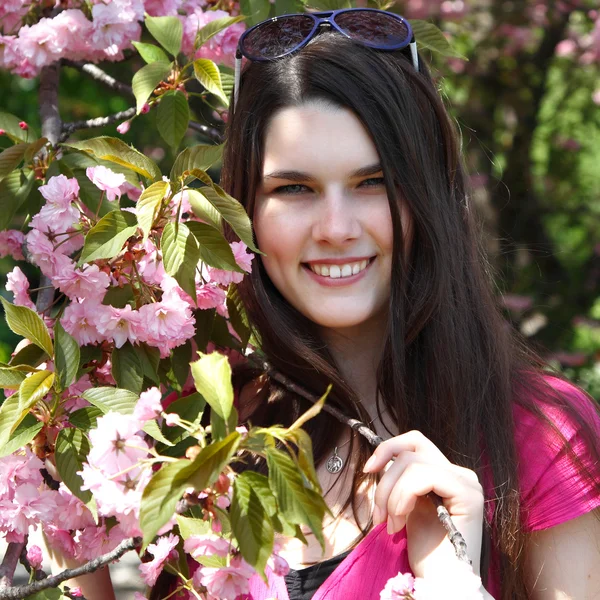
69	128
9	564
99	75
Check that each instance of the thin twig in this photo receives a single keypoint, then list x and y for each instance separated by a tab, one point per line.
9	564
22	591
210	132
99	75
69	128
458	541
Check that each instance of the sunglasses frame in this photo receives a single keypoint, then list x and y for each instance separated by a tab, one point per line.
320	19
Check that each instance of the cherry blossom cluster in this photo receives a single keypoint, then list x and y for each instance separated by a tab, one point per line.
97	31
163	317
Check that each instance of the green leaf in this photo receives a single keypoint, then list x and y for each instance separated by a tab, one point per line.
34	148
110	398
189	527
127	368
11	158
229	208
34	388
150	53
227	80
167	31
201	156
182	355
150	359
23	434
180	255
208	74
31	355
237	315
212	377
213	27
118	297
173	117
146	80
116	151
305	457
149	204
15	189
85	418
204	210
72	448
189	408
11	416
251	524
26	322
297	503
10	124
11	378
260	483
106	238
427	35
220	428
255	10
215	250
49	594
67	356
153	430
205	319
288	7
312	412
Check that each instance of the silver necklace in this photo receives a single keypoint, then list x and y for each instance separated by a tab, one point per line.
335	463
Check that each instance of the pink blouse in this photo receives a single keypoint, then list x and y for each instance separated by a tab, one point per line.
551	493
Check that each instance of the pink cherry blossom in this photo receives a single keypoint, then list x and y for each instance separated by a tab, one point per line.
278	565
399	587
16	469
18	284
172	419
210	295
162	550
74	29
106	180
40	44
149	405
123	128
71	512
79	319
161	8
226	583
58	214
11	242
94	541
34	556
60	539
89	282
118	324
242	257
116	26
43	254
206	545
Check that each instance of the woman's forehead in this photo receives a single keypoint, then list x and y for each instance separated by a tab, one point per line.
318	139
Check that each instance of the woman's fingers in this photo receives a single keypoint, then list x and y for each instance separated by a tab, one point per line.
412	441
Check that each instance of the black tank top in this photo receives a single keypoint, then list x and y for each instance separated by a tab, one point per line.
303	583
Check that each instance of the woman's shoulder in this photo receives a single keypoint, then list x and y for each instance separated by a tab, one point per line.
557	436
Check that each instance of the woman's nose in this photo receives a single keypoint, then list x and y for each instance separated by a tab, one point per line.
336	219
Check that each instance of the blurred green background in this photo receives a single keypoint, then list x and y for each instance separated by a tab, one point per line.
526	98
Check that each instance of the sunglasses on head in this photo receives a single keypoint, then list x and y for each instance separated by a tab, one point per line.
279	36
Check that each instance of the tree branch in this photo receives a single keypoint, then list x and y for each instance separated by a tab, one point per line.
69	128
210	132
99	75
22	591
9	564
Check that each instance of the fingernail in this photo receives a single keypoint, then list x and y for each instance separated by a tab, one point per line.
369	464
376	516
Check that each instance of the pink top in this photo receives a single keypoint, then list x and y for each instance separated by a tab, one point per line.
551	493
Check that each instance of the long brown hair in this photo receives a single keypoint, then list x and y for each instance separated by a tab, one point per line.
452	367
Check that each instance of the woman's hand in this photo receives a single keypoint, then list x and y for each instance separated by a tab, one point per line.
419	467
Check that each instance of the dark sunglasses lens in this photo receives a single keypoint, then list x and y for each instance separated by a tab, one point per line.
274	38
373	28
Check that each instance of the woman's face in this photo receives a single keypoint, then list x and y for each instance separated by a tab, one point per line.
322	216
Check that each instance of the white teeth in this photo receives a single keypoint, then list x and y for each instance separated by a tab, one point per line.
339	271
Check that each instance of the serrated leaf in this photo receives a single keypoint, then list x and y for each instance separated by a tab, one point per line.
34	388
31	355
237	315
11	416
110	398
118	297
201	156
173	117
127	368
305	457
67	355
189	527
182	355
10	124
116	151
208	74
106	238
312	412
255	10
219	428
167	31
148	205
15	189
150	359
260	483
85	418
208	465
22	435
11	158
27	323
212	377
228	207
150	53
180	255
204	210
153	430
146	80
213	27
10	379
72	448
34	148
214	249
251	524
428	35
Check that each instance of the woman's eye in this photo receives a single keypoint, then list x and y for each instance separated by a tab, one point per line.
372	182
291	189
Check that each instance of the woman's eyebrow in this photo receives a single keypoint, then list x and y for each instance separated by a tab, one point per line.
299	176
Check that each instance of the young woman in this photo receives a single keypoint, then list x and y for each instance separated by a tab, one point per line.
373	279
